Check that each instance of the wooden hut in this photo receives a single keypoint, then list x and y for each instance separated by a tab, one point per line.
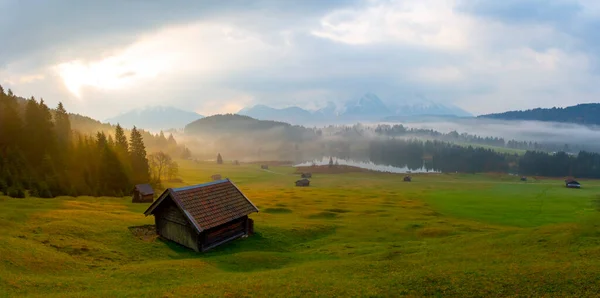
203	216
216	177
571	183
264	167
142	193
303	182
407	179
306	175
523	178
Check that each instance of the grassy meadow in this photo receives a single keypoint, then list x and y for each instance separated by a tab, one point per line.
353	234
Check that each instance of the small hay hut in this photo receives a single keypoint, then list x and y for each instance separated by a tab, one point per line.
303	182
523	178
264	167
203	216
306	175
571	183
216	177
142	193
407	179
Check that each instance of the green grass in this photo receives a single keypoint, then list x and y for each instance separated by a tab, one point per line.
358	234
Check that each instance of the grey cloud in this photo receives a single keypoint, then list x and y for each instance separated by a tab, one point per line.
45	30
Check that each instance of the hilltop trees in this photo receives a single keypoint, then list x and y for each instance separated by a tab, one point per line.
40	152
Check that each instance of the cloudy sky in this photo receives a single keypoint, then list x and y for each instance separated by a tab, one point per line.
101	58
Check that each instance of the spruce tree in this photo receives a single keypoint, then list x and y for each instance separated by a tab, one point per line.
219	159
62	126
120	139
139	160
11	124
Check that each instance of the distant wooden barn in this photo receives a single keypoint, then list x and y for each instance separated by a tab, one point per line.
216	177
203	216
570	183
306	175
407	179
303	182
264	167
142	193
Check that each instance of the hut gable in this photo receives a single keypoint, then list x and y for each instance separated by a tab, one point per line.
214	212
303	182
142	193
571	183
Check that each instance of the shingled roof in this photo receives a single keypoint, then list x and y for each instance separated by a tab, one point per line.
144	189
208	205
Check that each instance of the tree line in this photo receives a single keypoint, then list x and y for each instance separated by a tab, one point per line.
41	153
437	156
447	158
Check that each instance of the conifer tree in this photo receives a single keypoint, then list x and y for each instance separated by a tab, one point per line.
219	159
139	160
120	139
10	121
62	126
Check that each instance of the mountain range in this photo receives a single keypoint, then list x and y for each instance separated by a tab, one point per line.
155	118
369	107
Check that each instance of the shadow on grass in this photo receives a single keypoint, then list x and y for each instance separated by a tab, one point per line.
267	240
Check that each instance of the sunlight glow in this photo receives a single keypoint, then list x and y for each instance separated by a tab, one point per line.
114	72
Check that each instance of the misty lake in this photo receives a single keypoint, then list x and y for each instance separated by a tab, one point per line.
366	165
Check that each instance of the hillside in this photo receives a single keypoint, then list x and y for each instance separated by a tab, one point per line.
245	126
88	126
587	114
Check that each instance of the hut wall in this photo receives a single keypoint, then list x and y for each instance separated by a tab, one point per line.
173	225
139	198
224	232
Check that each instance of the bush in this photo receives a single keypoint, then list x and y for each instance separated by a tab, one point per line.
16	192
43	191
3	186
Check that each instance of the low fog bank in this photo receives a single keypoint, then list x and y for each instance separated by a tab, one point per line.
303	144
530	131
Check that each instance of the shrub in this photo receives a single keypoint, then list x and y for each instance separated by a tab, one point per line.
44	190
16	192
3	186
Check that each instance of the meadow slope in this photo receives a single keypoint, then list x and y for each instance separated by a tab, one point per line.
353	234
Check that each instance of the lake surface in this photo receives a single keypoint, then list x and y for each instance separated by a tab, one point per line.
365	165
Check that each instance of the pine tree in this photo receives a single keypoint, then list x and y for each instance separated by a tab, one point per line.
139	161
62	126
171	140
11	124
330	162
120	139
219	159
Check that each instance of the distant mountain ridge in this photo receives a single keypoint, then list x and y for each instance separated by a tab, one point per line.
369	107
587	114
155	118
